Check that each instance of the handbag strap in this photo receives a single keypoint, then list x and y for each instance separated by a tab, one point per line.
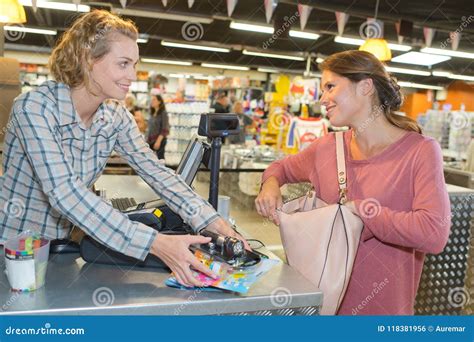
341	167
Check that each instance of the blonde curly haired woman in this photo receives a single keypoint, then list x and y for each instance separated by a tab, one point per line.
60	137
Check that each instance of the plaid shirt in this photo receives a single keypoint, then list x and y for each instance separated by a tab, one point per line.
50	160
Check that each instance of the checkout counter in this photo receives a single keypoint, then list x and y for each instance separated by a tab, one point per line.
74	287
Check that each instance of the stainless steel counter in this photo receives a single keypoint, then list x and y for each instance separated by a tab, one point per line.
77	288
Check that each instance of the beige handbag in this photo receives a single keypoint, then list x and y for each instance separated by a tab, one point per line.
321	240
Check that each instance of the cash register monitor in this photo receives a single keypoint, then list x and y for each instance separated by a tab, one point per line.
187	169
191	160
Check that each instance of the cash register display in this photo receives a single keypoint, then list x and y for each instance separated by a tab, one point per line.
192	157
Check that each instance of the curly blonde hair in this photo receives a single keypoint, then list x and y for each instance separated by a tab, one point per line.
85	42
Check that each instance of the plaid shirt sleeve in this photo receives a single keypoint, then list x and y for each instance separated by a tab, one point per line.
37	129
130	144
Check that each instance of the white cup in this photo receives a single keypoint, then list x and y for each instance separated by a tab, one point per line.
223	206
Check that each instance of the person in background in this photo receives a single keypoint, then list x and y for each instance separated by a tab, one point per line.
130	104
222	103
395	183
158	126
60	136
245	123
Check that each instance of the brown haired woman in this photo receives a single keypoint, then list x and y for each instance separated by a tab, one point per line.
60	137
158	126
395	183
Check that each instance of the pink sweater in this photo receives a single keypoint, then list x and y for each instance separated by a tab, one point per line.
413	217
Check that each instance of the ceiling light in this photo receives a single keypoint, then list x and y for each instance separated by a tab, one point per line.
419	58
12	13
407	71
194	47
164	61
319	60
359	42
418	85
271	71
30	30
453	76
142	40
272	55
462	77
378	47
349	41
161	15
221	66
62	6
441	73
251	27
305	35
452	53
399	47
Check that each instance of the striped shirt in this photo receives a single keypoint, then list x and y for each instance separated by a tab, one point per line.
51	160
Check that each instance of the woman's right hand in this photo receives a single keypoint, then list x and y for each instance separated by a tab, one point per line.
269	199
174	251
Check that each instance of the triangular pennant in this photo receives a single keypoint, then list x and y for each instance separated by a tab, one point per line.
341	19
304	12
165	2
190	3
429	34
231	6
455	38
270	6
34	5
400	37
123	3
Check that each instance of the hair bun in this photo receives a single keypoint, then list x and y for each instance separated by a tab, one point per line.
395	97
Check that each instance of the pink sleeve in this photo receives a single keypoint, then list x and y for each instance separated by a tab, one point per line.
425	228
295	168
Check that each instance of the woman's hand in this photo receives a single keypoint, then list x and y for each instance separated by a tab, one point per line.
222	227
175	253
269	199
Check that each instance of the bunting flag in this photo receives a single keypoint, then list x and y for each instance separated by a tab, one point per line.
34	5
190	3
304	12
165	2
231	7
123	3
341	19
270	6
455	38
400	37
429	35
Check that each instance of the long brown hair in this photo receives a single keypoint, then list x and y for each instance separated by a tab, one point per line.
360	65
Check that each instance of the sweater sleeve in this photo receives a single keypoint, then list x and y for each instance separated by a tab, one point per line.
295	168
426	227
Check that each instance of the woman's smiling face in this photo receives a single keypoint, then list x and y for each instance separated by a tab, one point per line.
113	74
344	100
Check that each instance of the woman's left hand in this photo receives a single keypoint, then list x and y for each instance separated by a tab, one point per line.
222	227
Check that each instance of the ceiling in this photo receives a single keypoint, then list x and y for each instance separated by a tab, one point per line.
444	16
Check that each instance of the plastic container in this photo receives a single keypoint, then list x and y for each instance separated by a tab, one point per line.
26	261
